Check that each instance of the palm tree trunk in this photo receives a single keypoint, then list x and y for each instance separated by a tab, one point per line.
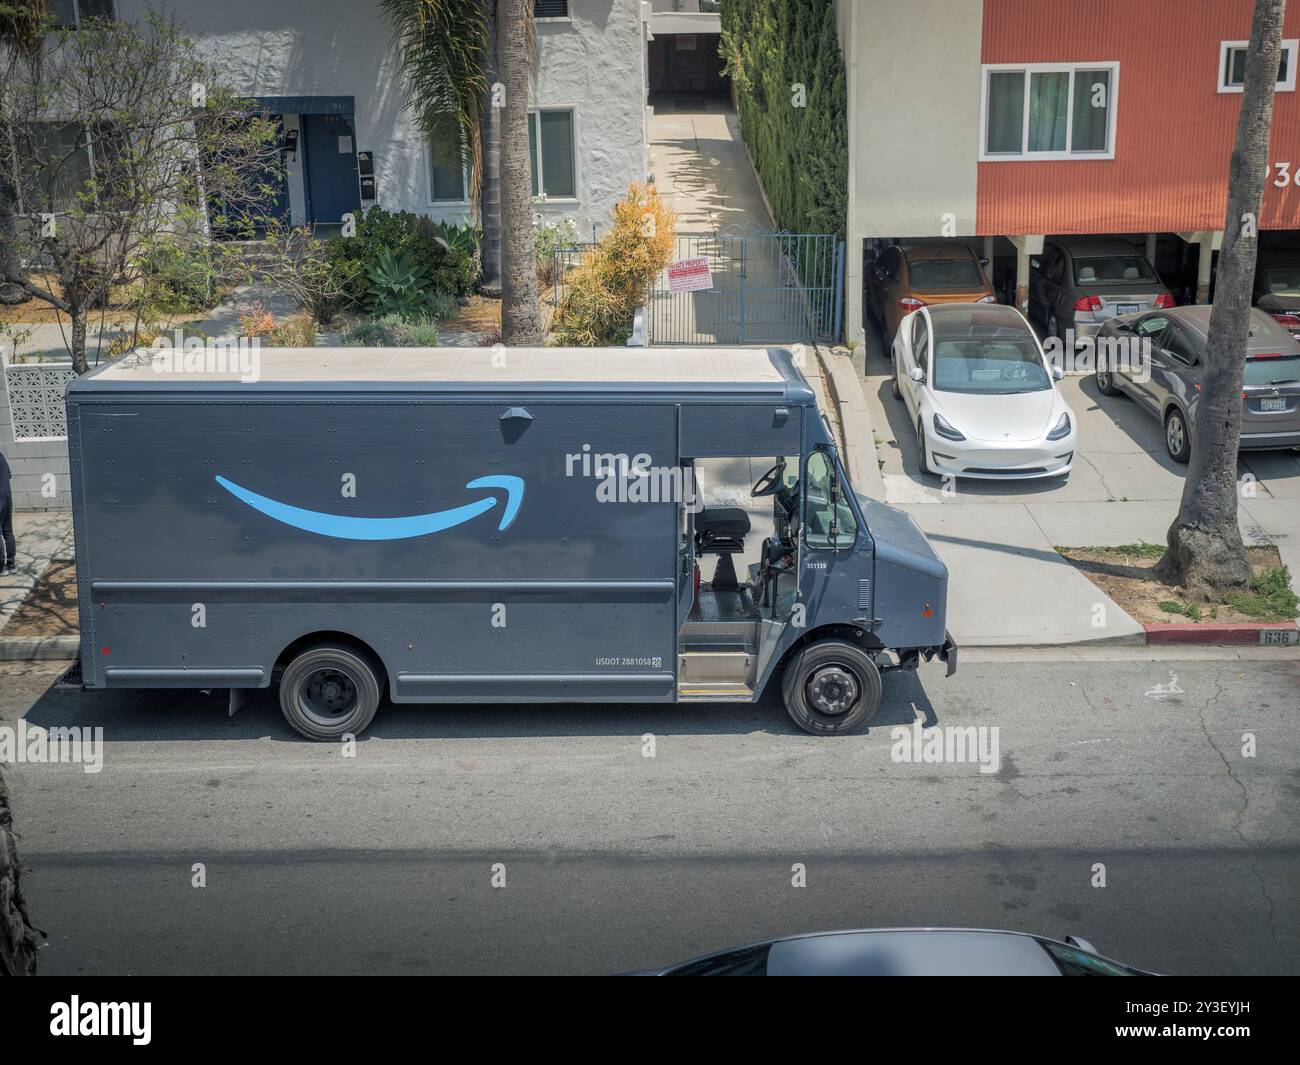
520	320
490	202
1205	553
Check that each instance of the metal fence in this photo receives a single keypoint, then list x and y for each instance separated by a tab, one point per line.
767	288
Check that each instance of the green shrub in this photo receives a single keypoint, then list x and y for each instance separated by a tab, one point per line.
1270	596
800	152
448	254
391	331
397	285
178	278
441	305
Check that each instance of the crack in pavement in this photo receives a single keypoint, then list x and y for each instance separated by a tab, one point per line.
1217	698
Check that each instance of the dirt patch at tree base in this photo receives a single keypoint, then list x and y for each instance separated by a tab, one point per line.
1126	575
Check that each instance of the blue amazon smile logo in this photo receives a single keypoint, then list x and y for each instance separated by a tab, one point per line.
403	528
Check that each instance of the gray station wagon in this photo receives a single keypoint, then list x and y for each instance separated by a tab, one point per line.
1270	415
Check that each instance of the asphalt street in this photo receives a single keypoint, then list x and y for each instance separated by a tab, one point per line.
610	860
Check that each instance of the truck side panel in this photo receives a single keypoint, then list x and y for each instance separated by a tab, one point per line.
217	533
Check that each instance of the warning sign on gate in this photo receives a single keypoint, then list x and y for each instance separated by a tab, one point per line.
689	275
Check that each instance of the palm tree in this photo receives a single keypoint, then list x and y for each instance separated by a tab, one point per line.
446	53
22	28
520	322
1204	551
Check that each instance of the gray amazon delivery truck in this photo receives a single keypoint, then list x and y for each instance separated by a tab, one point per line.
487	525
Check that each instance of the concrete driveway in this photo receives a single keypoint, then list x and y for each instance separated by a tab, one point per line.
1008	585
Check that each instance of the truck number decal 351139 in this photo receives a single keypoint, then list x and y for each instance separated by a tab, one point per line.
343	527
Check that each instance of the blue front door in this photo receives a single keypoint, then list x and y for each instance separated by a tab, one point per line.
331	171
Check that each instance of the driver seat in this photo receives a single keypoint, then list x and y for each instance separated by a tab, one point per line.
721	531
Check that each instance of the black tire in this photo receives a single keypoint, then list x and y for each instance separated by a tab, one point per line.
893	381
1106	383
1178	441
328	692
831	672
920	443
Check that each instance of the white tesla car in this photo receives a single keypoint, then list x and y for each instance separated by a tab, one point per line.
981	395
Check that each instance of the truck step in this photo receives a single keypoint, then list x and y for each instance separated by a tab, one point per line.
714	666
714	693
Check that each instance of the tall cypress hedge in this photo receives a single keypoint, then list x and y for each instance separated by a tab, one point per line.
801	153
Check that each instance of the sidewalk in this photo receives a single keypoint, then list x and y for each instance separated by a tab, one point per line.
42	535
700	166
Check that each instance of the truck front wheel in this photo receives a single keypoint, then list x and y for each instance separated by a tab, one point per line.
831	687
329	692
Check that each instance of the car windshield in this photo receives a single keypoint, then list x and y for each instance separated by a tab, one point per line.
992	366
1112	270
1283	280
1079	963
944	273
1271	369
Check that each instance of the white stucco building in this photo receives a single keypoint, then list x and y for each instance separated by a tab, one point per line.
331	70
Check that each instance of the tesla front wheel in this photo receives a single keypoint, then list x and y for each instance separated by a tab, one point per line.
831	687
329	692
893	381
921	443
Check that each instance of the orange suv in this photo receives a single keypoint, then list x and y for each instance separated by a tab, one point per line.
920	274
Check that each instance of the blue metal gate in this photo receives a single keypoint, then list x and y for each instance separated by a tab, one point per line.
767	288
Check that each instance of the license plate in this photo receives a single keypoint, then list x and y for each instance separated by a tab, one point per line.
1279	637
1127	308
1273	404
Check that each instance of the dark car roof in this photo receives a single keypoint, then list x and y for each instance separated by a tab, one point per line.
975	319
908	952
1265	332
916	251
1082	247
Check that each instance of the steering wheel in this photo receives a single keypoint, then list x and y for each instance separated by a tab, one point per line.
767	484
1018	371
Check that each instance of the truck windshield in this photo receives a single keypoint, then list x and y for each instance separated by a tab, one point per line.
820	512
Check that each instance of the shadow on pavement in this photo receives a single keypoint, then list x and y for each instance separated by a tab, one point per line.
189	715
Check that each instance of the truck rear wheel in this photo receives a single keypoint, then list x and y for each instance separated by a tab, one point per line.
831	687
328	692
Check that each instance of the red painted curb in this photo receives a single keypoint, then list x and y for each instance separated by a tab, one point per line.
1237	633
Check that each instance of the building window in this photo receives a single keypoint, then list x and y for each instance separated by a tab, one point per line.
550	145
1049	111
448	172
73	12
56	166
550	8
1232	66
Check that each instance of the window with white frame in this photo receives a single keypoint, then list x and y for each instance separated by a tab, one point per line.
550	145
1049	111
448	171
1232	66
545	9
